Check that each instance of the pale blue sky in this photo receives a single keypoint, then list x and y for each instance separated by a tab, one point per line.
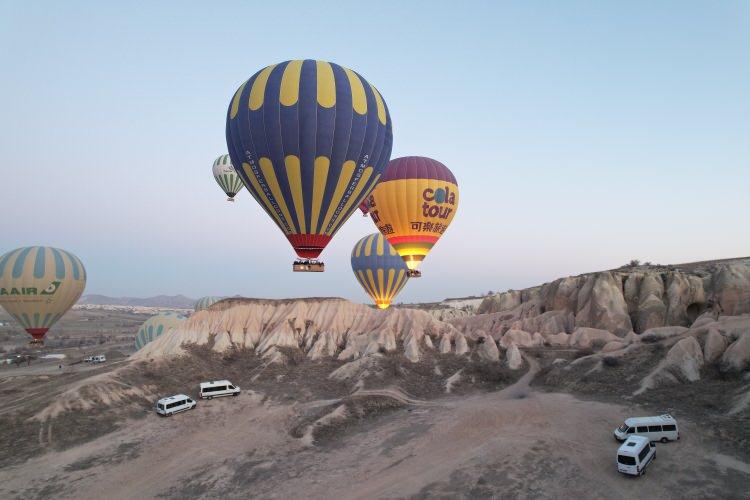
582	134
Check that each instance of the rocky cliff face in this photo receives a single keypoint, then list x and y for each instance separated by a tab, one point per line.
319	327
620	301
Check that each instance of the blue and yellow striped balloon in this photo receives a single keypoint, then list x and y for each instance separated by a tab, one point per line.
379	269
156	326
38	285
310	140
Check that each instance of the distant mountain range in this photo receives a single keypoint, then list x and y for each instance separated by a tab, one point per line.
168	301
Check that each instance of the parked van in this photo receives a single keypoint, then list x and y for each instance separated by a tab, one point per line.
98	359
174	404
210	390
634	455
662	428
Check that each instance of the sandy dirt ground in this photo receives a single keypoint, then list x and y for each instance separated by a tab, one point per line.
513	443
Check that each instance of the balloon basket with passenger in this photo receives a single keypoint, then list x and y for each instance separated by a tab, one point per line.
308	266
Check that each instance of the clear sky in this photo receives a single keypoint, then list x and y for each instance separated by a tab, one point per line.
582	135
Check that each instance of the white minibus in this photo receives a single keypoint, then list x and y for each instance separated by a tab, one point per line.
174	404
634	455
209	390
662	428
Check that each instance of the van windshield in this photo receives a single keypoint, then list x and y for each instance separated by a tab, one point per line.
625	460
623	428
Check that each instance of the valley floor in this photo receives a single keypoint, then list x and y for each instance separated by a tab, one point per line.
517	442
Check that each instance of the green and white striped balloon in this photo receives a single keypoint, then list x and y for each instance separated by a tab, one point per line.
227	177
206	302
156	326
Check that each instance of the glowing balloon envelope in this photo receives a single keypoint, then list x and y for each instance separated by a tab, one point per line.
310	140
227	177
156	326
413	204
38	285
379	269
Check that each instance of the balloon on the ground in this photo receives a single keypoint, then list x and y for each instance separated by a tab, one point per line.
413	204
227	177
38	285
156	326
379	269
310	140
206	302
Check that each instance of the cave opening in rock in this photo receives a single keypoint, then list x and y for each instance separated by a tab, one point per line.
693	311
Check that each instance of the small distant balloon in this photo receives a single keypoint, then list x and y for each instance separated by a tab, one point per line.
38	285
379	269
226	176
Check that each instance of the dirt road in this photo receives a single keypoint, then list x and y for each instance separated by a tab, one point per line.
516	443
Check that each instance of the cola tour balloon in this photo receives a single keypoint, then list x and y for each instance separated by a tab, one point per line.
38	285
379	269
412	206
310	139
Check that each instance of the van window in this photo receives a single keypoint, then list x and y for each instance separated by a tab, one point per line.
231	387
669	428
642	429
631	430
626	460
642	455
161	406
654	428
215	388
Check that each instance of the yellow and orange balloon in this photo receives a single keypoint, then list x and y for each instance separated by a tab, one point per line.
412	206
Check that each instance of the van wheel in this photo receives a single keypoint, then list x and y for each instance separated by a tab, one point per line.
236	394
664	440
210	397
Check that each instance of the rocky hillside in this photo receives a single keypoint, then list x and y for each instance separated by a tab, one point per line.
321	327
700	314
620	301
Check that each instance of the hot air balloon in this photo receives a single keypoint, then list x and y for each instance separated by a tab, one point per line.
156	326
227	177
310	140
412	205
379	269
206	302
38	285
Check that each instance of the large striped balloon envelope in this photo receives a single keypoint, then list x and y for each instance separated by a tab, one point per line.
38	285
413	204
379	269
310	140
226	177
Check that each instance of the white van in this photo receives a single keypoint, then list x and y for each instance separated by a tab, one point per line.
99	359
662	428
210	390
634	455
174	404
